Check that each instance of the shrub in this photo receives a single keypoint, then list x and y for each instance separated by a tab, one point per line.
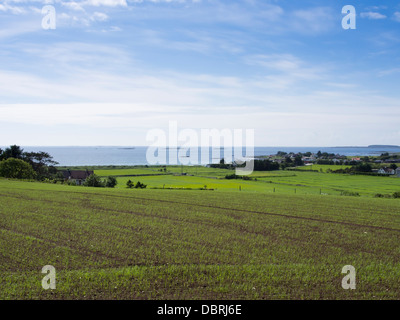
111	182
396	195
94	181
231	176
16	169
71	183
129	184
350	194
140	185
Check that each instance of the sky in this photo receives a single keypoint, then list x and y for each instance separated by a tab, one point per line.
113	70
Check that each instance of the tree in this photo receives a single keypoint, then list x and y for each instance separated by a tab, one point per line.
111	182
288	160
94	181
393	166
362	167
129	184
140	185
298	161
265	165
16	169
13	151
39	159
42	163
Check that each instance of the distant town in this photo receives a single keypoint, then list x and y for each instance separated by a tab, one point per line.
384	164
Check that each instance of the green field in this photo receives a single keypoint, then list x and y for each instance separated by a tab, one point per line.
282	181
323	167
200	171
174	244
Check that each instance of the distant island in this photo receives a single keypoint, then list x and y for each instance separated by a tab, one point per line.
383	146
371	146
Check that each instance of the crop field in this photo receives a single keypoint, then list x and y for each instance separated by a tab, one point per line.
129	172
174	244
200	171
331	182
323	167
282	181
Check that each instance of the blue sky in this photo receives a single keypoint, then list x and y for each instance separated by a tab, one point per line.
114	69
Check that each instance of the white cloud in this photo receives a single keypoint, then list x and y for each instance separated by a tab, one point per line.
158	1
5	7
73	5
375	8
372	15
99	16
389	72
283	71
108	3
314	20
396	16
119	103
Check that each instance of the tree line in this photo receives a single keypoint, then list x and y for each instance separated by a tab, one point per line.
17	164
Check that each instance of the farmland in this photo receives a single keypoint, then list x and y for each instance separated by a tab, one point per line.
190	244
282	181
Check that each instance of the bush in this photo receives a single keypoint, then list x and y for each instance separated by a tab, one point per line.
350	194
231	176
94	181
71	183
111	182
16	169
140	185
129	184
395	195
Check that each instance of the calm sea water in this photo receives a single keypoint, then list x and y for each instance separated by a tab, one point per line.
74	156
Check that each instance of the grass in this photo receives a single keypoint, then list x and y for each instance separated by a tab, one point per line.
335	183
164	244
200	171
128	172
288	182
323	167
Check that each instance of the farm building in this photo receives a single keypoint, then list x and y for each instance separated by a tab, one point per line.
398	172
386	171
79	176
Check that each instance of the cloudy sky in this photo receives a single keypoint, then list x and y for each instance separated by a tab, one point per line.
114	69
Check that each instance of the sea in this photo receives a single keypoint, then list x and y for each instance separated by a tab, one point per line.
117	155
